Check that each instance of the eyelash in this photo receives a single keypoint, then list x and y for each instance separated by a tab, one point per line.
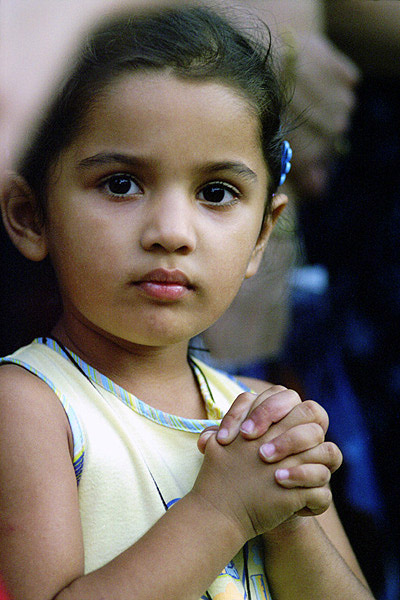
227	188
221	185
108	179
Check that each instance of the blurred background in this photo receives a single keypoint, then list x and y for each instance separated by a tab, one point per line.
322	314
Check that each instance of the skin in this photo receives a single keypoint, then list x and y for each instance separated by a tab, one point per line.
324	81
102	246
174	228
24	34
76	231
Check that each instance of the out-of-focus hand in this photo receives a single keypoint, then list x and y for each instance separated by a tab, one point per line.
37	41
324	97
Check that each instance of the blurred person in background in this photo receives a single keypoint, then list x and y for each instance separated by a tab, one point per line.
321	81
353	233
322	316
312	62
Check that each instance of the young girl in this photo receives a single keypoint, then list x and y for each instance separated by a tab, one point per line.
151	186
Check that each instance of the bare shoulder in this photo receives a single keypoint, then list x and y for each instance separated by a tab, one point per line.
39	514
256	385
23	397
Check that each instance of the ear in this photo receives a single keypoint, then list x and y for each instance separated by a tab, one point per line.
279	202
20	212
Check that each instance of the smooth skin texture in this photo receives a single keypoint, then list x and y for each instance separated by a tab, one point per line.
112	242
166	175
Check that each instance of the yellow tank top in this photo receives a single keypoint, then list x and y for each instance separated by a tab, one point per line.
133	462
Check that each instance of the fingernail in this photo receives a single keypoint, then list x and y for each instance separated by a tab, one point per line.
247	426
206	435
282	474
267	450
222	434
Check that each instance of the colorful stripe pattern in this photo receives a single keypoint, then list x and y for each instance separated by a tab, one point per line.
157	416
214	412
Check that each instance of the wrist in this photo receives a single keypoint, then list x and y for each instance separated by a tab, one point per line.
224	524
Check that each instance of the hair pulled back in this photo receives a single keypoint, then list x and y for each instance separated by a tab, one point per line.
191	43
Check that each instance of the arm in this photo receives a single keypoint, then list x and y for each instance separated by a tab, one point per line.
303	561
41	548
40	523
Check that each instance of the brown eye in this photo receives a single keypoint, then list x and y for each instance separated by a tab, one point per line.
121	185
218	193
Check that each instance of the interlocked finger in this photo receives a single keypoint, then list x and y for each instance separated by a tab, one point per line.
304	412
317	501
232	421
269	407
311	468
308	476
297	439
252	414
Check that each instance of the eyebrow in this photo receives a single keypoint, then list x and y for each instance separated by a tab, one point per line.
109	158
239	168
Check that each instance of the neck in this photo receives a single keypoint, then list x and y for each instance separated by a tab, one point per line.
153	374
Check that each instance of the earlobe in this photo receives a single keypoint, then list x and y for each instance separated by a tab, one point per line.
19	209
279	202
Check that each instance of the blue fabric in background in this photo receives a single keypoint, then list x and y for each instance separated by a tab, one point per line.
354	232
314	352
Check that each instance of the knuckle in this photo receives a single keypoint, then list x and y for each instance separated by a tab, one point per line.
315	412
231	417
293	396
319	498
235	413
327	495
262	410
331	451
278	403
281	444
301	473
311	409
318	433
333	454
325	475
276	388
247	396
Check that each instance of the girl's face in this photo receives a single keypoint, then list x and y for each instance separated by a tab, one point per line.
155	211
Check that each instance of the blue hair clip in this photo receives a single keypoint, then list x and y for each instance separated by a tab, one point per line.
287	154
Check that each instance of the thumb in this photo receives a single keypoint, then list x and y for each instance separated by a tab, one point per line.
205	436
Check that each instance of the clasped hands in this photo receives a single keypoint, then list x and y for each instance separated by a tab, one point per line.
275	445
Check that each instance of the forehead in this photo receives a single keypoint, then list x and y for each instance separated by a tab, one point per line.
161	88
158	112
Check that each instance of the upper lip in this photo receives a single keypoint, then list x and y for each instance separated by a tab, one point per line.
166	276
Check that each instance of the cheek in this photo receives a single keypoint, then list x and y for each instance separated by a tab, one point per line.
230	264
81	251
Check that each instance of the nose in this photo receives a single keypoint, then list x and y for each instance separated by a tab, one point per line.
169	223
